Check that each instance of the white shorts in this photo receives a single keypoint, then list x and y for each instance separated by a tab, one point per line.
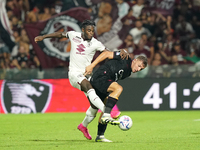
75	78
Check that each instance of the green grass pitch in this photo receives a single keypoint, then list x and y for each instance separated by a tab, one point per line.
151	130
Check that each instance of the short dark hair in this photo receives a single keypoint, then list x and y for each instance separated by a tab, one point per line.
143	59
87	23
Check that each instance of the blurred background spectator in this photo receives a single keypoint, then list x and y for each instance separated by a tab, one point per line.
123	8
137	8
138	30
167	32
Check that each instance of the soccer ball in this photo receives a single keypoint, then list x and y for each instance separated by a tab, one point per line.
125	123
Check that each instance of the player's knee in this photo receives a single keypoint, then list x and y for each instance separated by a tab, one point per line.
85	85
94	107
119	89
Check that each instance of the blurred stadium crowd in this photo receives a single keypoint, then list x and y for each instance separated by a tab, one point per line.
165	39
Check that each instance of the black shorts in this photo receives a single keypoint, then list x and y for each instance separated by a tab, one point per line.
100	81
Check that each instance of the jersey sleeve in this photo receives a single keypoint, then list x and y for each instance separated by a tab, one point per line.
117	55
68	34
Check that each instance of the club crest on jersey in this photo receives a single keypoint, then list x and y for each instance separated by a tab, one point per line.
89	44
24	97
56	47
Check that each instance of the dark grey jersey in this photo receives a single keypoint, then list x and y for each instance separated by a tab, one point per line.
117	68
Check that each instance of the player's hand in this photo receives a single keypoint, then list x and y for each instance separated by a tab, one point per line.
88	70
124	54
38	38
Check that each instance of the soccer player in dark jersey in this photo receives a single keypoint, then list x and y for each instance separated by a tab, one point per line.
104	81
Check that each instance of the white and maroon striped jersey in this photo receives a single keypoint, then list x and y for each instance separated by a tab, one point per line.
82	52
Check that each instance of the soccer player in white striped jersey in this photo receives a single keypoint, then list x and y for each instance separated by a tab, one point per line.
83	48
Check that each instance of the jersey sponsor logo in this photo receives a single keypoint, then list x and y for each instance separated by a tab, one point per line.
59	47
24	97
76	40
81	49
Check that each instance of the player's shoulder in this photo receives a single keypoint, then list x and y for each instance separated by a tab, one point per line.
94	40
73	32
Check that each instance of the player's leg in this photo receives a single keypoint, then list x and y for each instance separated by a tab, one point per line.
101	127
102	83
94	99
90	115
79	81
115	113
101	130
115	91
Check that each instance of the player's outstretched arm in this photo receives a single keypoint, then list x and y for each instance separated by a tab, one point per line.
104	55
51	35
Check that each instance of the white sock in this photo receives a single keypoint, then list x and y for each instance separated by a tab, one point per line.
90	115
106	115
95	100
